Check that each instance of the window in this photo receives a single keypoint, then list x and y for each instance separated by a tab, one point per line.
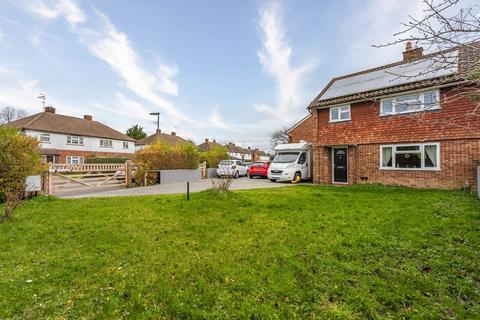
125	145
75	140
303	158
74	160
410	157
413	102
44	138
340	113
106	143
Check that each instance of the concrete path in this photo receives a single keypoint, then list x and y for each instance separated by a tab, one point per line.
180	187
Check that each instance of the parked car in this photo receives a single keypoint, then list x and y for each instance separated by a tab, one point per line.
259	169
234	168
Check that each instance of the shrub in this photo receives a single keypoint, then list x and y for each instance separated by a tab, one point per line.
214	156
106	160
160	156
19	158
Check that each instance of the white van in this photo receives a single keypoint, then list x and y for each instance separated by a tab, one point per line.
291	160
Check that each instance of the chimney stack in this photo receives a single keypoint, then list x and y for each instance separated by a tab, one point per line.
206	140
49	109
88	117
174	133
411	53
158	131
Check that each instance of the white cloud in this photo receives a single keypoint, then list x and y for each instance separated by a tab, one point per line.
217	120
112	46
66	8
275	58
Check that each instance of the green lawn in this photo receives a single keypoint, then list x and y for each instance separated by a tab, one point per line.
298	252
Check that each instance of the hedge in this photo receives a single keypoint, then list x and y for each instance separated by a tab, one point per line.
106	160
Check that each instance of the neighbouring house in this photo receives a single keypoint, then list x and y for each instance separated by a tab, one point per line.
406	123
208	145
171	139
259	155
238	153
70	140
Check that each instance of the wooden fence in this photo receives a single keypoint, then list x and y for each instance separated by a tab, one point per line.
64	179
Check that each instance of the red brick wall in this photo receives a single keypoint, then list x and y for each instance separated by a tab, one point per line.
367	126
459	150
457	166
62	154
305	131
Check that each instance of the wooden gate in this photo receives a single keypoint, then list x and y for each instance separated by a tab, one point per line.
71	179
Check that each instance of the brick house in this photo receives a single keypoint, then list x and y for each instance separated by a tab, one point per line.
70	140
159	136
406	123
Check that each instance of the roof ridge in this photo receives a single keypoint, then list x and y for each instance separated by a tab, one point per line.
38	116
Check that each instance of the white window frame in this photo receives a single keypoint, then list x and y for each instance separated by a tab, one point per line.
422	156
422	102
79	159
125	144
106	143
340	112
75	140
42	136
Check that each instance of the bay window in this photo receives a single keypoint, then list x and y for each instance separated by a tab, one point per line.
412	102
425	156
340	113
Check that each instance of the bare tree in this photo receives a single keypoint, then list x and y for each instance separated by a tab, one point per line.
279	136
453	32
9	114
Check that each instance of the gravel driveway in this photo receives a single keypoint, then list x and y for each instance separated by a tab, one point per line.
179	187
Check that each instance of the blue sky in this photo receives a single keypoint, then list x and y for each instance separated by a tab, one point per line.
226	70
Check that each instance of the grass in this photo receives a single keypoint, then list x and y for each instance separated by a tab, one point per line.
299	252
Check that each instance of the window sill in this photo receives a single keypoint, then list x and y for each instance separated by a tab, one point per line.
409	112
105	147
336	121
46	142
75	144
410	169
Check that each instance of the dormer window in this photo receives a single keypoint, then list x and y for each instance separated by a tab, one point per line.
412	102
340	113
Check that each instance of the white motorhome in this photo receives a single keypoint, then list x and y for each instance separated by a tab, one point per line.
291	160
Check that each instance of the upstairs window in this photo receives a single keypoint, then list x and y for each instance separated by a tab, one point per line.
44	138
340	113
125	145
106	143
75	140
413	102
410	157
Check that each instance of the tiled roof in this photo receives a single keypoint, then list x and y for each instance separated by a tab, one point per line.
171	139
231	147
208	145
400	76
57	123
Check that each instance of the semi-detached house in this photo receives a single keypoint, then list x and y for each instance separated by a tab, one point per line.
408	123
70	140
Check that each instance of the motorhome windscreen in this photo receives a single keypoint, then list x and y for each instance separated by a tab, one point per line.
285	157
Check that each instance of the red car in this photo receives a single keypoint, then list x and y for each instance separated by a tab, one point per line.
259	169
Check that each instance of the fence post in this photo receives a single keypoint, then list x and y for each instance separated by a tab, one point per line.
128	173
50	182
